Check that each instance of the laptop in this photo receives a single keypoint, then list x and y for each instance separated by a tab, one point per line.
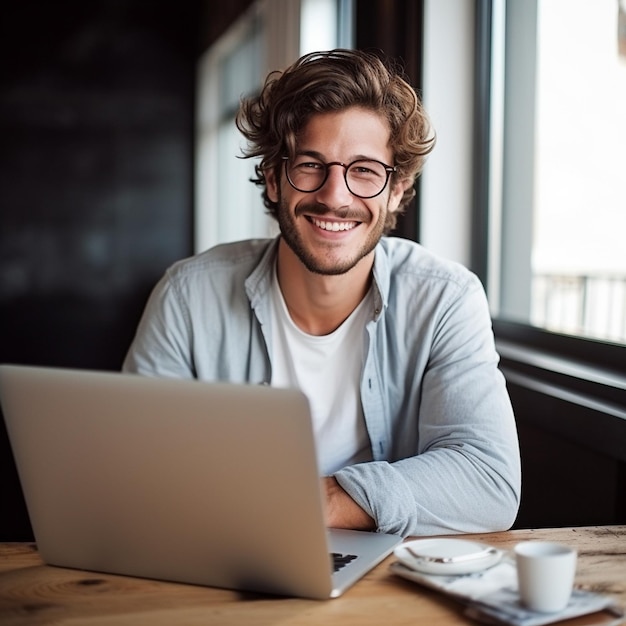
205	483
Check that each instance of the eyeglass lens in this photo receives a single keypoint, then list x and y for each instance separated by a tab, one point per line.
364	178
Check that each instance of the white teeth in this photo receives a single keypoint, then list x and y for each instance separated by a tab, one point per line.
334	226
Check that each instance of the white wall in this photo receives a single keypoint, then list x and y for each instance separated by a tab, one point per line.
446	190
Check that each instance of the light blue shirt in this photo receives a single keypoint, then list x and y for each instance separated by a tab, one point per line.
443	436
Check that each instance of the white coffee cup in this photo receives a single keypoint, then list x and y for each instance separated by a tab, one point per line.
545	574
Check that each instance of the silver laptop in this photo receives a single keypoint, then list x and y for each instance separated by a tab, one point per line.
206	483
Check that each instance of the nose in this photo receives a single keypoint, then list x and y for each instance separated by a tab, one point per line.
334	193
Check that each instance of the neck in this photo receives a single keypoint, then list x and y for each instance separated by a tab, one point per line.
319	304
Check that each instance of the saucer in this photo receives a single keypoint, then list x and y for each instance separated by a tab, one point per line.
447	556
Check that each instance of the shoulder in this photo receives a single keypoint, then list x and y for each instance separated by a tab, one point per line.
230	259
406	261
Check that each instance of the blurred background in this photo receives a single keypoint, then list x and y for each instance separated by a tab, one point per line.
118	156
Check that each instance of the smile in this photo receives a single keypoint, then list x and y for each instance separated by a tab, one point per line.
333	226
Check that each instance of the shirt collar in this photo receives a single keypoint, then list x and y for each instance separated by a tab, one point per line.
259	281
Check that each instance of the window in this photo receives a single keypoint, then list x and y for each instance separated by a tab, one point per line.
550	105
227	210
270	35
563	216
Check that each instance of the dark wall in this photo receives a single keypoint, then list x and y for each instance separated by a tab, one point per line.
96	127
216	16
395	27
564	483
569	407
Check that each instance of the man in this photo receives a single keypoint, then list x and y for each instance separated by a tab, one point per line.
392	345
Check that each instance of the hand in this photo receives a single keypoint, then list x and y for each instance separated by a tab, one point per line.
341	510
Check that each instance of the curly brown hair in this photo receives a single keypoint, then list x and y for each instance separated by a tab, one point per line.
321	82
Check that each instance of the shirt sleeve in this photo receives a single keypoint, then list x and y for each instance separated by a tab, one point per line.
464	474
162	343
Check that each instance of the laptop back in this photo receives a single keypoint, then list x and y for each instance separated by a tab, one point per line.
206	483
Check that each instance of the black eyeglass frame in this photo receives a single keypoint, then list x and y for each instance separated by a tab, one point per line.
389	169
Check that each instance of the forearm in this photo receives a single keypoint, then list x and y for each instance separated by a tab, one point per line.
440	492
341	510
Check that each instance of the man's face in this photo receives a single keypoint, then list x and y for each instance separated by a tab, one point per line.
331	230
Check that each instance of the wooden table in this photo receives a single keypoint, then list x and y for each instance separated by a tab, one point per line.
32	593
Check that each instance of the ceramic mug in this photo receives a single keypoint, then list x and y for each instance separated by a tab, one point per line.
545	574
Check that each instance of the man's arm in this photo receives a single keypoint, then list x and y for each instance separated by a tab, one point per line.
453	465
161	343
341	510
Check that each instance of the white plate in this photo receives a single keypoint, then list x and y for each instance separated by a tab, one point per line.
447	556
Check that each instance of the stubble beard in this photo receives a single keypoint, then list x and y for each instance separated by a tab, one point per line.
324	264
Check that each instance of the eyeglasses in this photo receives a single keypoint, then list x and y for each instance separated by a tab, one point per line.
365	178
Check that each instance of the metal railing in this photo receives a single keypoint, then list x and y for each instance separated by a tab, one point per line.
589	305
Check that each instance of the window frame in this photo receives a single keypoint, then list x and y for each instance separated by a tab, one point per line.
597	354
568	392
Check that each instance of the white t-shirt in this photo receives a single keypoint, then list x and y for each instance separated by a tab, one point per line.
327	369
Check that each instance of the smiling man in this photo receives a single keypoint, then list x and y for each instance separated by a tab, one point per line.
392	345
339	162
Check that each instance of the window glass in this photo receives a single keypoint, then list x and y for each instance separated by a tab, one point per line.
229	207
318	25
564	176
240	210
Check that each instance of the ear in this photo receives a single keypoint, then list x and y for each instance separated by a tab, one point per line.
396	193
272	185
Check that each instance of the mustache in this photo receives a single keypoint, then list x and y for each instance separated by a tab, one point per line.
321	210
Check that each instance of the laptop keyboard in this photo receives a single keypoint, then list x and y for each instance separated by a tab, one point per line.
341	560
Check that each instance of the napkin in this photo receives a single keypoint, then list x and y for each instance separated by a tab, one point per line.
491	596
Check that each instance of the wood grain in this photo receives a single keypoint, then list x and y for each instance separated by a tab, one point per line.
34	594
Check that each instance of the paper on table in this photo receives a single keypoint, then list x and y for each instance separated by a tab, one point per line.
491	596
